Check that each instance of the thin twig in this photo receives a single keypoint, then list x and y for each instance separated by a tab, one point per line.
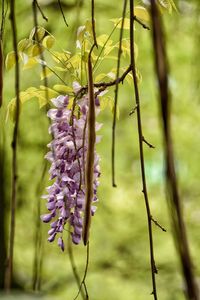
85	274
38	233
116	95
93	24
62	12
133	110
141	23
140	137
104	85
157	224
9	267
73	265
161	66
40	10
148	144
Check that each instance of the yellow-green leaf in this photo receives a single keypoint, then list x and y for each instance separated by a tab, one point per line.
167	5
10	60
36	50
30	63
118	23
48	41
100	77
88	26
45	74
24	44
141	13
60	57
102	39
60	69
74	61
44	92
63	88
109	49
40	33
11	110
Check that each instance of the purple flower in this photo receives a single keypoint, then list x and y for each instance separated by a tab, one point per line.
67	155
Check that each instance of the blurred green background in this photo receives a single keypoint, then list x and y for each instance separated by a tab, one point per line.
119	249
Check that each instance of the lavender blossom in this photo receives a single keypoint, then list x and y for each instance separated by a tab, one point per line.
66	196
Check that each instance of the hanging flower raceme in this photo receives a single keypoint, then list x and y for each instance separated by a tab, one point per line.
66	196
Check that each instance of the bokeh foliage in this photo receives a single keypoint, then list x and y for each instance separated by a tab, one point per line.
119	261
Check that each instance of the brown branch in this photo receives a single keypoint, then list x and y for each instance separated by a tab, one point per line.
161	67
104	85
89	171
62	12
9	267
116	95
140	137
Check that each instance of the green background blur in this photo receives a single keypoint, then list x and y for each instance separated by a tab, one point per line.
119	249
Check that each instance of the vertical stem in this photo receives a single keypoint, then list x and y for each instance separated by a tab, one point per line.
161	67
1	72
93	24
90	153
9	267
116	95
140	137
38	258
1	51
37	264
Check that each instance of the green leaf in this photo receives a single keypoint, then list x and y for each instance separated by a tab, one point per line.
88	26
48	41
11	110
74	61
46	74
101	40
109	49
167	5
118	23
100	77
43	93
30	63
36	50
141	13
61	57
63	88
23	45
60	69
10	60
40	33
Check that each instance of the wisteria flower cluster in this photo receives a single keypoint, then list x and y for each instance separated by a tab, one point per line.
66	196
